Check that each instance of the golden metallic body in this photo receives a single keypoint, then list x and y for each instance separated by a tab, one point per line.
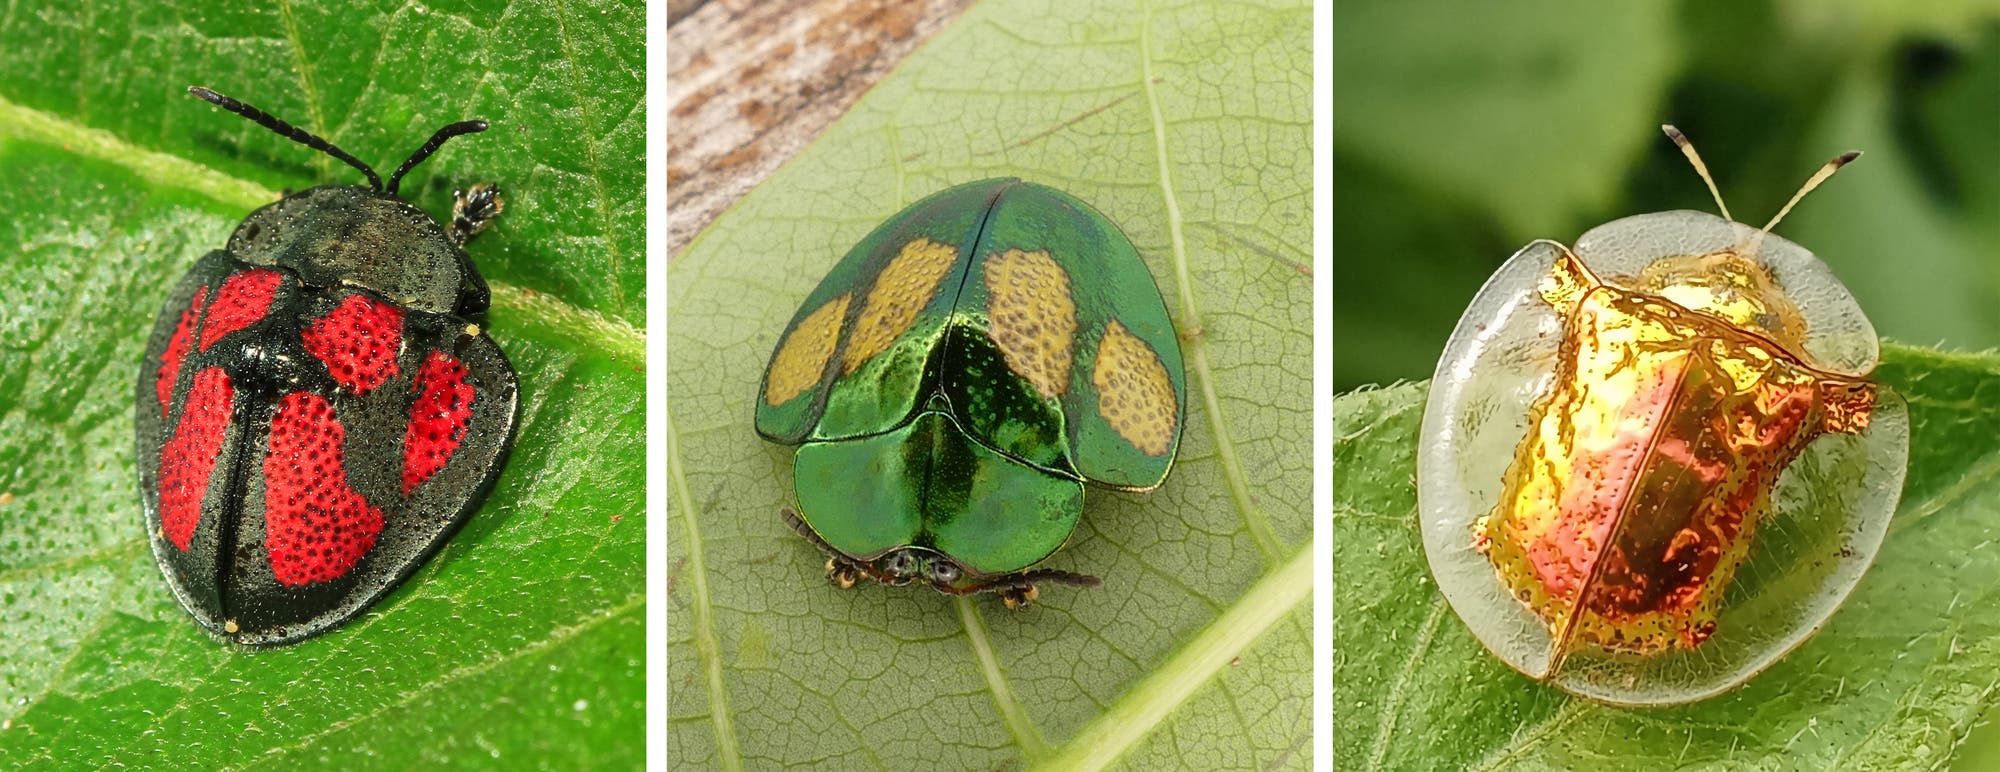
1650	462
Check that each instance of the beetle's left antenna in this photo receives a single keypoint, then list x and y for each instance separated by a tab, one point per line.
286	130
1687	149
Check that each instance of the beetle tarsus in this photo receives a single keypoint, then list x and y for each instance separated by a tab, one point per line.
1018	598
842	573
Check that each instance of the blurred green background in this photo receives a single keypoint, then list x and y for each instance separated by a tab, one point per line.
1463	130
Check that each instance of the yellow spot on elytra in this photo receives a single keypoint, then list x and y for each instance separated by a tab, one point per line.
1133	392
229	626
802	357
904	288
1033	317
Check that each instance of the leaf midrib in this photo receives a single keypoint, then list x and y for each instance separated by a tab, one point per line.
1286	582
1134	715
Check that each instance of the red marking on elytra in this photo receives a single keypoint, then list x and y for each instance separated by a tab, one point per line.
188	460
177	349
244	299
316	527
437	418
358	342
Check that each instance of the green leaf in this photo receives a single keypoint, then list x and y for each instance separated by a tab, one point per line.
1189	124
520	642
1896	680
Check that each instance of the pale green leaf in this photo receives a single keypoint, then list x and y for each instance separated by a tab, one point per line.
1190	125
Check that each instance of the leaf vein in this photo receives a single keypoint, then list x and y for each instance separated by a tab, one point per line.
1393	703
556	637
1232	467
1156	696
591	142
1019	724
706	641
314	109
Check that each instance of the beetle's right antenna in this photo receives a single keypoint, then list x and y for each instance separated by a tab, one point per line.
286	130
1687	149
1817	178
436	141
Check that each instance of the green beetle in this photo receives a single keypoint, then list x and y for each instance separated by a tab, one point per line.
959	376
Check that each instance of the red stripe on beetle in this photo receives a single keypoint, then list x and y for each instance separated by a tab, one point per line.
244	299
358	342
188	460
177	349
437	418
316	527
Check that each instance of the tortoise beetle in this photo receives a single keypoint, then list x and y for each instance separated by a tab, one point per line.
317	411
959	376
1654	463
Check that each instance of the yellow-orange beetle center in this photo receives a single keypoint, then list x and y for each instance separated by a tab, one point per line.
1650	462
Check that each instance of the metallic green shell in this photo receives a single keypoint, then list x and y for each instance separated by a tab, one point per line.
940	440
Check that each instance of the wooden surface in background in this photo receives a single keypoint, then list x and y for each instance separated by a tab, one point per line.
751	82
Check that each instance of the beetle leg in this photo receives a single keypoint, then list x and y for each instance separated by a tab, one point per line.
473	209
842	573
1018	598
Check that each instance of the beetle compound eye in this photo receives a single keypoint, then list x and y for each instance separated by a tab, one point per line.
900	564
945	572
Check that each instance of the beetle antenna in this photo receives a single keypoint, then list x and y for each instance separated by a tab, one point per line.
1026	578
1817	178
286	130
1687	149
1070	578
462	127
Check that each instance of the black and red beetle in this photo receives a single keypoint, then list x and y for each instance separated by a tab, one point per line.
317	411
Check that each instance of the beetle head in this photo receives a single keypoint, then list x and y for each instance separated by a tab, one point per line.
913	564
369	237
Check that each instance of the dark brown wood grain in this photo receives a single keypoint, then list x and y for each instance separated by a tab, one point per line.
751	82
